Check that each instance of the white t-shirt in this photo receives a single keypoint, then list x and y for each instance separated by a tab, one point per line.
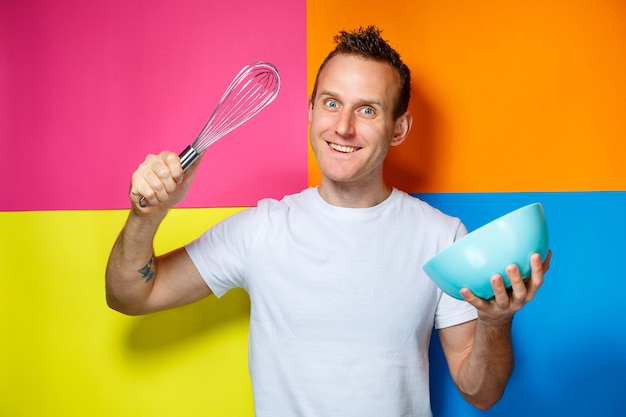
341	310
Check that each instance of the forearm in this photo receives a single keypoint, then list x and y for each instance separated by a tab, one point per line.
131	268
485	371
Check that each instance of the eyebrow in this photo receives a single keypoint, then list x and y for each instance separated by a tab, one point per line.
369	102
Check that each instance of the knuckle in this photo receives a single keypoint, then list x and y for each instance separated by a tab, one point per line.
170	157
161	171
158	188
150	158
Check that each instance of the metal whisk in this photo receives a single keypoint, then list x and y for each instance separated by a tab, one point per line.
251	91
255	87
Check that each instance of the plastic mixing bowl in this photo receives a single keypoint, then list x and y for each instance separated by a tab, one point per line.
471	261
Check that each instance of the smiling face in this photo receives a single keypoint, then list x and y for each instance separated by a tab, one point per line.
351	120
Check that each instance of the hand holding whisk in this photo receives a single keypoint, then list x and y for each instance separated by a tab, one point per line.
255	87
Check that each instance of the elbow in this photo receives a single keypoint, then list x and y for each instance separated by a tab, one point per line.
122	299
126	310
484	405
115	304
119	304
484	402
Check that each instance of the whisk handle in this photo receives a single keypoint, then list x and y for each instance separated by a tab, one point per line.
187	157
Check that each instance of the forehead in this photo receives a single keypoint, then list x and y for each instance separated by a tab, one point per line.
355	76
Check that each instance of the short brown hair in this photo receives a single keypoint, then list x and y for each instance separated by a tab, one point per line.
369	44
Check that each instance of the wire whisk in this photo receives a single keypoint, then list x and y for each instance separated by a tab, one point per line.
253	89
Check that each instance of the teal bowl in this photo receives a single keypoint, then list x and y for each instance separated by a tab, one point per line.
471	261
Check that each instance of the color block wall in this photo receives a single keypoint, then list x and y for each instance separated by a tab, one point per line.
513	104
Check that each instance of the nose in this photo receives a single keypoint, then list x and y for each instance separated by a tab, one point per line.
345	123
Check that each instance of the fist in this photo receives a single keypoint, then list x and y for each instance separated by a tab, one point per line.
157	181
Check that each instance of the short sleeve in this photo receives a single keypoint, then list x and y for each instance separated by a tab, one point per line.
451	311
220	254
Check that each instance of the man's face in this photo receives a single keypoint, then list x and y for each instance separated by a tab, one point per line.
351	118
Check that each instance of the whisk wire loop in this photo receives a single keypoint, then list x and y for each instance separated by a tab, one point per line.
252	89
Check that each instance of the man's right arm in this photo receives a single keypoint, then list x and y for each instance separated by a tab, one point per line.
137	282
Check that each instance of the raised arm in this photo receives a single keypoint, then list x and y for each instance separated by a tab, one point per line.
480	353
137	282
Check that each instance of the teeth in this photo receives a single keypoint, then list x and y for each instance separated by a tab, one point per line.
344	149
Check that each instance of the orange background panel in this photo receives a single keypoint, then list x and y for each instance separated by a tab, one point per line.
506	96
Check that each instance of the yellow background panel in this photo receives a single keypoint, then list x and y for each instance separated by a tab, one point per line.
65	353
507	96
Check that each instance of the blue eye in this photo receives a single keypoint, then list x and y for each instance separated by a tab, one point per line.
368	111
332	104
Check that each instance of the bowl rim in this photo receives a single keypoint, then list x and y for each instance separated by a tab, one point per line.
488	224
430	268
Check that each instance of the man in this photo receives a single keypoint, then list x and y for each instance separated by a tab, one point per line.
341	311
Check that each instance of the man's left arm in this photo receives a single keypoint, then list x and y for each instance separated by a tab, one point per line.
480	352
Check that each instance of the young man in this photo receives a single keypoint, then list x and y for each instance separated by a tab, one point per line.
342	312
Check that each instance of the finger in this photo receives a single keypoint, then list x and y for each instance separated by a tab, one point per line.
168	170
158	178
144	196
501	296
519	292
537	272
141	194
469	296
162	174
137	199
150	181
546	262
173	164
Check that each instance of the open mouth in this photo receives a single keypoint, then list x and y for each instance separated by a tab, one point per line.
343	149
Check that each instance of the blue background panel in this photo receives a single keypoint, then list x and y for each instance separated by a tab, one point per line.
570	341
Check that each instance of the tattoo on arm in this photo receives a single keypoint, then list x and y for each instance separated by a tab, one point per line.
147	272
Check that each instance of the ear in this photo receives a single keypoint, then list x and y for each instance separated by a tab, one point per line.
310	111
402	129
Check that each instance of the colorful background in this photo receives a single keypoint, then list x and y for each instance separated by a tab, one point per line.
513	104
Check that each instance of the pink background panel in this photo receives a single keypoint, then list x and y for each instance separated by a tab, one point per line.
89	88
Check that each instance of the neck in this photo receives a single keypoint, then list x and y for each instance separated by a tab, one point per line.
353	195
